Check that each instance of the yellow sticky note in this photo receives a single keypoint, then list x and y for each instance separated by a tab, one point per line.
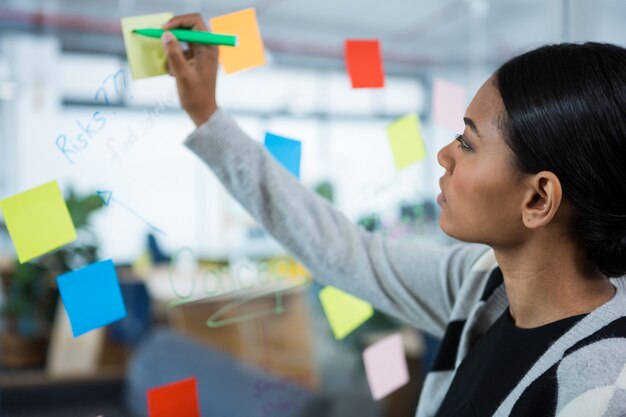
38	221
146	56
344	311
249	52
405	138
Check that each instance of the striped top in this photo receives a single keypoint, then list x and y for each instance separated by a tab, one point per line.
479	383
453	292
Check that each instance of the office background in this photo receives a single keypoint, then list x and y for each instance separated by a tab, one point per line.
170	220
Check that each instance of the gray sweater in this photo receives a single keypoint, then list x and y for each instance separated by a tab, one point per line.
453	292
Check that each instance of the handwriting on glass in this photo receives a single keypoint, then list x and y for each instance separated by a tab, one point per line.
277	397
112	90
213	284
71	146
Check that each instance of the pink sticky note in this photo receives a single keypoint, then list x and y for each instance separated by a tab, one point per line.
449	105
385	366
364	63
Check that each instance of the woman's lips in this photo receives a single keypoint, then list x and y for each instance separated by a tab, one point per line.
441	197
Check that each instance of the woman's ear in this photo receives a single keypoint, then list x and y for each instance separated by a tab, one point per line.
542	199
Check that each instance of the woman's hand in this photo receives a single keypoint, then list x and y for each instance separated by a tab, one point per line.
195	70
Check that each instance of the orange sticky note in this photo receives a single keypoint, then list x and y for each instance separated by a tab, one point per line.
178	399
364	63
249	52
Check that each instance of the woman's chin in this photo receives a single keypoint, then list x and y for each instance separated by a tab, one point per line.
444	225
447	228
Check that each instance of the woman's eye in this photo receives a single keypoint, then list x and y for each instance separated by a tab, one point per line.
463	144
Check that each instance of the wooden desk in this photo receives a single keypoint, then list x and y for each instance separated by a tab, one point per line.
268	329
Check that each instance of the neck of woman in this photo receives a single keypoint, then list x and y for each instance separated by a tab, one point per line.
550	281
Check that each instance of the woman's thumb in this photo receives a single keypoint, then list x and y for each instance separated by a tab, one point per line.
175	58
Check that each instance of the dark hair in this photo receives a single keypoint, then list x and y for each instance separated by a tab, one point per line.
566	113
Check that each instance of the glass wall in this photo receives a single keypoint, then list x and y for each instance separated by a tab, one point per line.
190	260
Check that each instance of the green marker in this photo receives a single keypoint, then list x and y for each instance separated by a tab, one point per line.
193	36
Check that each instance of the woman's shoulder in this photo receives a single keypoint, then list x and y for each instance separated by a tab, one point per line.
593	374
605	346
602	351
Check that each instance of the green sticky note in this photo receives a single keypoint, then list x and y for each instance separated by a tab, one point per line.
405	138
38	221
146	56
344	311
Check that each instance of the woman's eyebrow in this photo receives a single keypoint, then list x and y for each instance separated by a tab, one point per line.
469	122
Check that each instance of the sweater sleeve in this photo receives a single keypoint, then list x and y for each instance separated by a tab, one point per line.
415	282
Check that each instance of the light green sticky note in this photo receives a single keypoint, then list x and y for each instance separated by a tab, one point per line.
405	138
344	311
38	221
146	56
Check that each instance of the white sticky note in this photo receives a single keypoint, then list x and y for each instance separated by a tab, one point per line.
385	366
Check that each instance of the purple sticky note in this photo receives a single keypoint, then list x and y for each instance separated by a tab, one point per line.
449	105
385	366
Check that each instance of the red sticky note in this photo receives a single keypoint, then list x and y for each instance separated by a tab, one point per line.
364	63
178	399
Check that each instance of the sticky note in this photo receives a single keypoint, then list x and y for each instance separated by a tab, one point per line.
249	52
38	221
448	105
385	366
345	312
92	296
405	138
364	63
146	56
178	399
286	151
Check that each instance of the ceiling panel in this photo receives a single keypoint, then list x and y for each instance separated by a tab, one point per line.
350	18
415	34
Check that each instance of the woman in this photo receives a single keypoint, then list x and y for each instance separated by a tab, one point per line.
532	312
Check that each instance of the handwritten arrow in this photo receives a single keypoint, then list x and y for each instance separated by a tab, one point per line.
107	198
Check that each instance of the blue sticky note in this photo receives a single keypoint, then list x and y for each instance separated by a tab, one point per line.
92	296
286	151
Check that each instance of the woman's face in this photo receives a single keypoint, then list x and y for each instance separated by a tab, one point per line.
483	199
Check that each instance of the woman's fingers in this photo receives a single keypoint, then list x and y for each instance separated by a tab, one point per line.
191	21
186	21
176	63
195	69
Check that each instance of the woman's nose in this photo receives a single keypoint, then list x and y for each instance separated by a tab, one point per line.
444	159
